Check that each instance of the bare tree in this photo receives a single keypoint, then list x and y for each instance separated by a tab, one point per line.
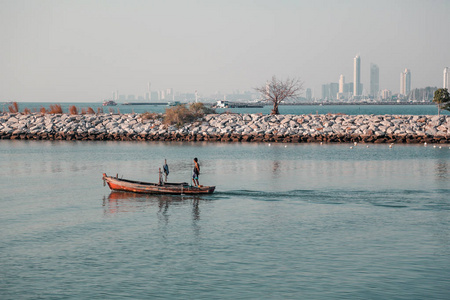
277	91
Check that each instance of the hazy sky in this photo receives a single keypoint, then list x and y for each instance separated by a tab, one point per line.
80	50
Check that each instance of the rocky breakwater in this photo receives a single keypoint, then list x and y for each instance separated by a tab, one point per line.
230	128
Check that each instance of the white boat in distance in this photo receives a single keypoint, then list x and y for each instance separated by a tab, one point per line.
109	103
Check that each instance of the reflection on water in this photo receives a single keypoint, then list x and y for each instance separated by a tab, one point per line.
275	167
441	169
121	202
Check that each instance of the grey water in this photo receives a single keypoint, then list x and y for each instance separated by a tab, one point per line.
284	109
287	221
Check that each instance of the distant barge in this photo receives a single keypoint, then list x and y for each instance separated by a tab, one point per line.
229	104
144	103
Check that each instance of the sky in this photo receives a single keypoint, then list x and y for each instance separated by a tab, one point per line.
83	50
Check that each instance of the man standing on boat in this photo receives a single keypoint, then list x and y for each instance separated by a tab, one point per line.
196	172
165	170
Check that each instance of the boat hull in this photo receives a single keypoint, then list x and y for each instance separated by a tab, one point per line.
126	185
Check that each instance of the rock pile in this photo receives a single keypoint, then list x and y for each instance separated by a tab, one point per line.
230	128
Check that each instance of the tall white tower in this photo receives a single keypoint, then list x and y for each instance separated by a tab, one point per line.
357	76
445	85
341	84
405	82
149	93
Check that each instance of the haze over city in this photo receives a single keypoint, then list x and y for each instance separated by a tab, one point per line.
70	51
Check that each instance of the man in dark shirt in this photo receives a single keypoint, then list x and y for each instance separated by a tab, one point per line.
196	172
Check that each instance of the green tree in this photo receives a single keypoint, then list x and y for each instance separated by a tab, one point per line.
442	99
277	91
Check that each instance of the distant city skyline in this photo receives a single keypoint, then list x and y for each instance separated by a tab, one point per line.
81	51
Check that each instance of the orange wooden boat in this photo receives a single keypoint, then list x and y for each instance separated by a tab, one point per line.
119	184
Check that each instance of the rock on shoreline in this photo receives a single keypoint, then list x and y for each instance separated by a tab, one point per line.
230	128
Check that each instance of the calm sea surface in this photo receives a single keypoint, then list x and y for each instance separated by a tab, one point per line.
286	222
284	109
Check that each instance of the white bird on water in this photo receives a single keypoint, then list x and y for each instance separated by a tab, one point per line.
390	146
425	144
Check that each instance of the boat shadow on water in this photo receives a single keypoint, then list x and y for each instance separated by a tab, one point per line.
123	202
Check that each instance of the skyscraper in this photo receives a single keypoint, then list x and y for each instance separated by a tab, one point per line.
357	76
308	94
445	85
341	84
325	92
405	82
374	80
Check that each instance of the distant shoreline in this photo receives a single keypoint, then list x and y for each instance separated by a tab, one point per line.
357	103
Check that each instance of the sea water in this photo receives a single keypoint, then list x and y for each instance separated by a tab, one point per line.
284	109
287	221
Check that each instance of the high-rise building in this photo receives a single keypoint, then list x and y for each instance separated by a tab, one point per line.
330	91
405	82
162	95
348	87
445	85
341	84
374	80
386	94
341	90
325	92
308	94
357	76
154	96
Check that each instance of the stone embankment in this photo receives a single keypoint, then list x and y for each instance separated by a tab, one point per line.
230	128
